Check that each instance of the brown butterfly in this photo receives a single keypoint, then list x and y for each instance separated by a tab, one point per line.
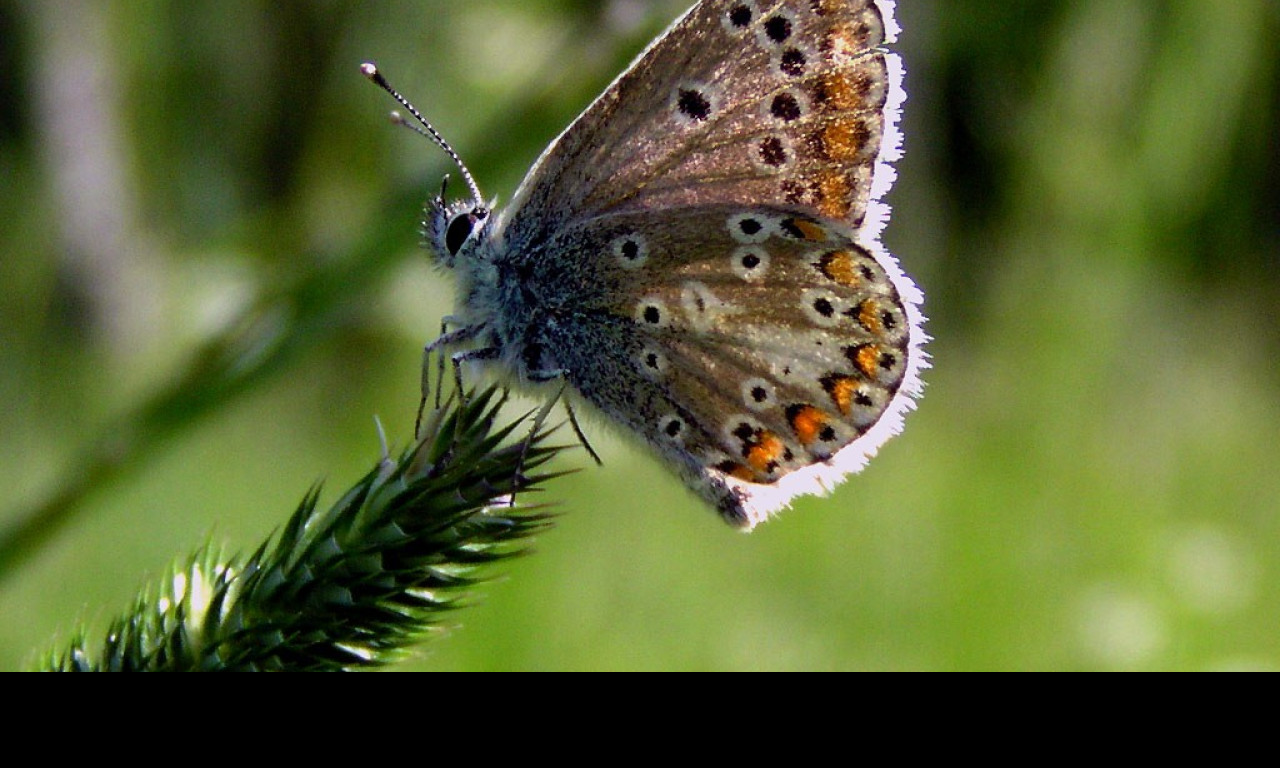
698	255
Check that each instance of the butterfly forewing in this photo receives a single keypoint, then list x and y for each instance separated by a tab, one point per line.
795	115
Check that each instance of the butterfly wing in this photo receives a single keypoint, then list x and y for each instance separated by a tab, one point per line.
763	365
703	243
801	112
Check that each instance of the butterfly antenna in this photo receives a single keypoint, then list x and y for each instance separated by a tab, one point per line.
370	71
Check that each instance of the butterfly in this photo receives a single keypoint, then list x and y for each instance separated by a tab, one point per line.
698	255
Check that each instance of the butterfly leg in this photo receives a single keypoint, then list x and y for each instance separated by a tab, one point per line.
563	375
582	436
460	359
444	340
539	421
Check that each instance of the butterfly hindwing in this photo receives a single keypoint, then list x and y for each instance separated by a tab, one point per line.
746	345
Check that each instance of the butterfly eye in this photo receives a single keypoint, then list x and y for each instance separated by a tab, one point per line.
461	228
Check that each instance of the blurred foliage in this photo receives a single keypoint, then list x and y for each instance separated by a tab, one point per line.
211	286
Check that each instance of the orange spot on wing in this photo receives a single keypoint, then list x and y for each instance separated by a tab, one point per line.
844	141
808	230
869	317
765	453
838	92
808	423
843	389
834	195
867	358
840	267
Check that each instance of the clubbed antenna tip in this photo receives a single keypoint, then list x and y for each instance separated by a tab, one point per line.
369	70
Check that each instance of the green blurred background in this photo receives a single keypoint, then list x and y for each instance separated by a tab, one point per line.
211	286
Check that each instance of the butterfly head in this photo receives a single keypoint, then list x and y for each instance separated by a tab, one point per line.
453	229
